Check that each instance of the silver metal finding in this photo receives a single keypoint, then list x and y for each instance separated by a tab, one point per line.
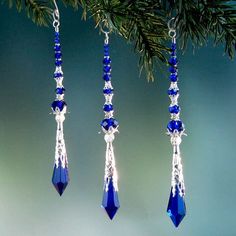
172	28
56	17
104	25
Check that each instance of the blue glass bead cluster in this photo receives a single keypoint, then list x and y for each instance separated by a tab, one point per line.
109	122
59	104
175	124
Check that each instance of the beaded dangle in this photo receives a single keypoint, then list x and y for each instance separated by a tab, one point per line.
175	129
109	126
60	176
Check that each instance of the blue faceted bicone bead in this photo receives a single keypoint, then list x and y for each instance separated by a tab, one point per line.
108	91
173	69
58	75
57	48
173	61
106	60
60	178
58	105
58	62
173	77
57	40
107	68
173	46
175	125
176	207
110	201
108	107
58	55
174	109
109	122
173	91
107	77
60	90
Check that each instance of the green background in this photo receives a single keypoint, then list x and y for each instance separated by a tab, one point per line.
29	204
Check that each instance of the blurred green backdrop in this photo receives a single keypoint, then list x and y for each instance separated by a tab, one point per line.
29	204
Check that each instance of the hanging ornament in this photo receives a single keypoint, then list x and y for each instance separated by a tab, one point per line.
109	126
60	176
175	129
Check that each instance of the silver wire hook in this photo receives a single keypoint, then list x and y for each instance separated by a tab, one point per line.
106	32
56	16
172	28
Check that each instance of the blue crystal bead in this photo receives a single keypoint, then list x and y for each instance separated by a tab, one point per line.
176	209
58	105
173	61
106	47
110	201
173	69
175	125
173	91
58	55
108	91
58	62
174	109
173	77
60	90
58	75
109	122
106	60
108	107
107	77
107	68
57	48
57	40
173	46
60	178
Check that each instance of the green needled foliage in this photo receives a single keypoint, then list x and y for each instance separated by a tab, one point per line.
144	23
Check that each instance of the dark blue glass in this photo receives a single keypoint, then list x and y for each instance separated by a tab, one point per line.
175	125
173	77
106	60
56	34
108	107
109	122
173	46
58	55
173	61
107	68
176	209
58	104
173	69
60	178
60	90
58	62
174	109
108	91
173	92
58	75
57	48
107	77
110	201
57	40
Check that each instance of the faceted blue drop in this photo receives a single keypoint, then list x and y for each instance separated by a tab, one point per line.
108	91
60	90
107	68
110	201
106	60
108	107
58	62
176	209
173	46
58	55
60	178
173	69
109	122
58	75
173	77
107	77
175	125
57	48
58	104
174	109
173	91
173	61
